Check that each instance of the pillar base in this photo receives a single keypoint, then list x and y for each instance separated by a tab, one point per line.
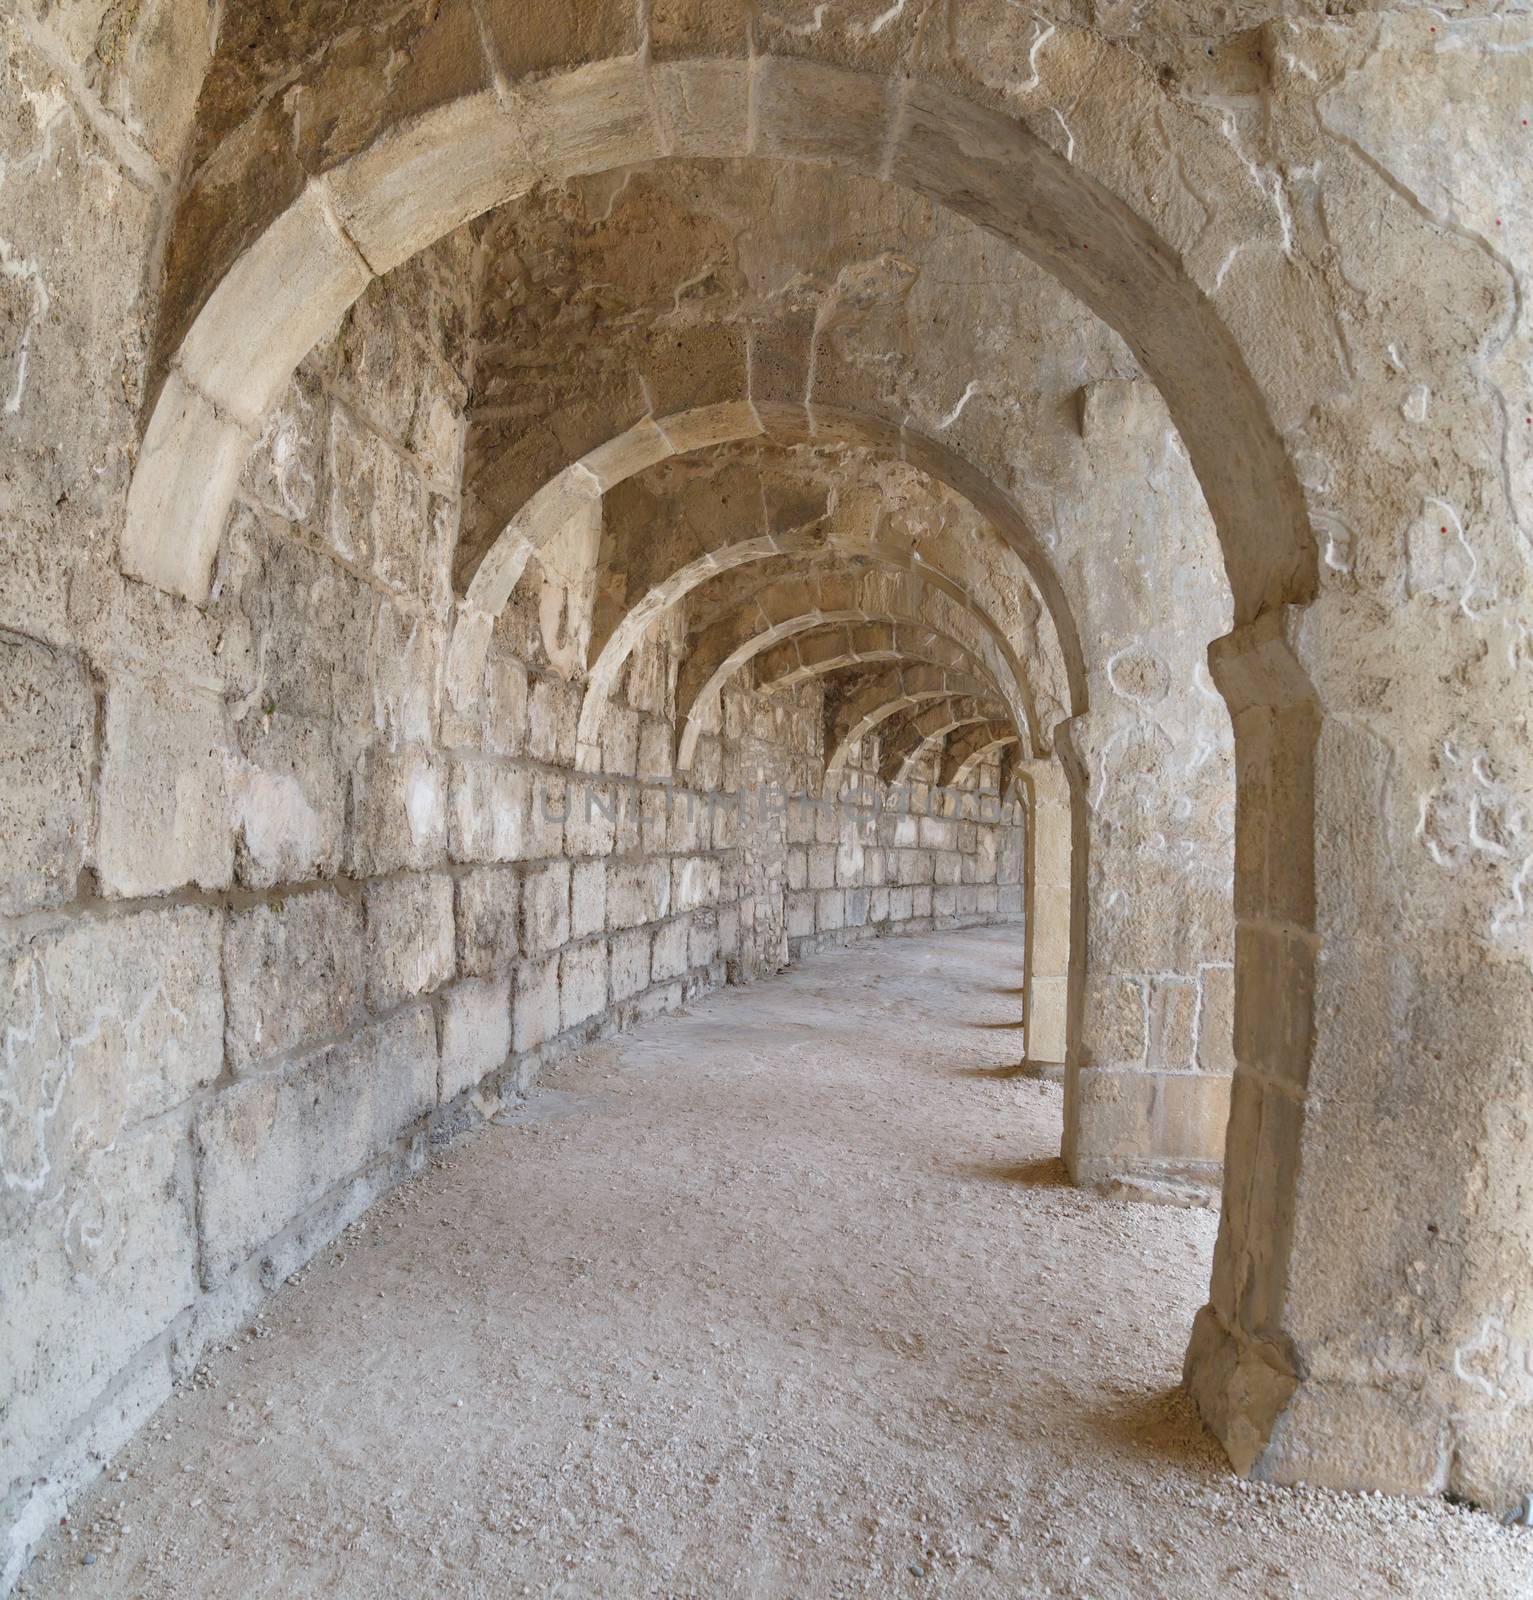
1043	1071
1399	1438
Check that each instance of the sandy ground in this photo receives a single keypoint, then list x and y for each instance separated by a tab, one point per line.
782	1297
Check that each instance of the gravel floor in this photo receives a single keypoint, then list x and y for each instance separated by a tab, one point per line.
782	1297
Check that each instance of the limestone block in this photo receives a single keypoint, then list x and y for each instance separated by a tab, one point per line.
548	807
1117	1021
552	715
797	867
857	903
288	792
294	972
703	939
107	1021
590	827
487	906
398	812
901	904
490	812
947	867
546	908
1141	1116
375	512
47	748
830	910
165	814
582	982
629	970
535	1003
476	1032
310	625
920	901
695	881
410	938
270	1147
691	825
103	1266
801	913
637	892
406	675
620	741
588	898
655	751
668	953
822	866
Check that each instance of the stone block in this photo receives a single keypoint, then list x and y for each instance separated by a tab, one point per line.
637	892
294	971
546	908
106	1021
102	1269
629	968
398	812
590	823
552	715
489	812
703	939
288	793
411	947
535	1003
165	813
830	910
582	982
655	763
695	881
47	750
668	954
476	1032
588	898
488	909
801	912
269	1148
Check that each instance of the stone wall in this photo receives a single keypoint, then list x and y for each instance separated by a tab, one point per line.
285	898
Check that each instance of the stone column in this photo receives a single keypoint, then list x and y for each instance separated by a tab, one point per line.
1147	1082
1370	1320
1049	910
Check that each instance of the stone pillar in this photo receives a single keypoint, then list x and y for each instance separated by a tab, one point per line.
1147	1081
1049	909
1370	1320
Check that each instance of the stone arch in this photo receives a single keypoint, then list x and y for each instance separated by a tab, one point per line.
663	597
476	134
479	142
902	689
922	732
886	591
965	755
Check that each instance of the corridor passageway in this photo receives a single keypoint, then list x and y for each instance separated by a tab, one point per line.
785	1295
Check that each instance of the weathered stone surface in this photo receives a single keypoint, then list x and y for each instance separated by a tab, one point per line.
535	1003
488	912
295	971
272	1146
165	822
108	1021
105	1266
546	907
410	937
476	1032
582	982
47	751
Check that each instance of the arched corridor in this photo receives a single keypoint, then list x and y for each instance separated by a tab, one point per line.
788	1294
518	519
